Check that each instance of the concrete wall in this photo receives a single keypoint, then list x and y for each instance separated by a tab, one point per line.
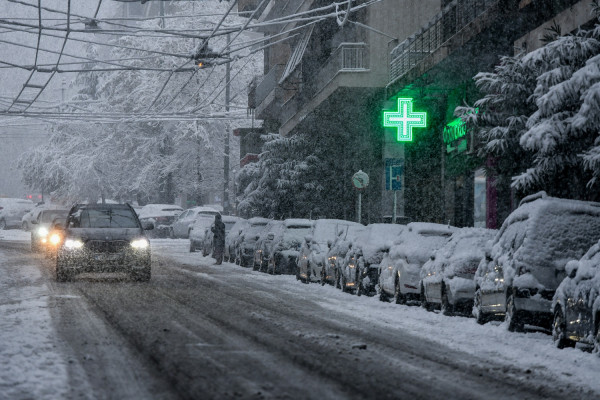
569	20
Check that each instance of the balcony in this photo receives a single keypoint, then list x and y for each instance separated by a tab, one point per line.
347	57
444	26
267	93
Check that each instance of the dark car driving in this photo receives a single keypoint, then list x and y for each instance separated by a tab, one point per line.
106	238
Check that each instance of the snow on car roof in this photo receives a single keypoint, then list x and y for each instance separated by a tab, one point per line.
298	222
467	243
376	237
258	221
325	229
548	232
420	240
151	210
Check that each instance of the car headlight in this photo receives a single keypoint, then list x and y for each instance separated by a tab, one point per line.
43	232
72	244
55	239
140	244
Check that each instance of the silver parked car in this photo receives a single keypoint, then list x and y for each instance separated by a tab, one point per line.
576	303
12	211
447	279
399	271
518	279
181	227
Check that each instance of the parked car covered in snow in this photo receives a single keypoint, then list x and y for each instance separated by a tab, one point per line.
12	211
399	271
32	215
245	250
330	273
264	244
233	239
576	303
160	217
181	227
199	230
447	279
528	258
207	242
282	252
314	252
366	252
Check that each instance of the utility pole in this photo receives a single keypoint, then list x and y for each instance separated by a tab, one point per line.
226	206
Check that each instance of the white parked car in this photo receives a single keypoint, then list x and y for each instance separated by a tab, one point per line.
399	271
331	272
282	252
12	211
181	227
199	230
160	217
313	253
576	303
247	245
527	263
366	252
233	239
447	279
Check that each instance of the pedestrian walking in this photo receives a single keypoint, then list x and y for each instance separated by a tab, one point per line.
218	231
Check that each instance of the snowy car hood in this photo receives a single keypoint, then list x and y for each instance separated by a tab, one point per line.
105	233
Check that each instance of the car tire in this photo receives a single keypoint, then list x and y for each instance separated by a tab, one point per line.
171	233
424	303
512	317
2	224
192	247
337	280
399	298
559	330
204	252
383	296
142	276
322	276
480	317
446	308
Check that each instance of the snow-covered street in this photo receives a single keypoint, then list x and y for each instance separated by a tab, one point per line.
240	333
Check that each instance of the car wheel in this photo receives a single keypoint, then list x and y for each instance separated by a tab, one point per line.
204	252
171	233
337	280
323	276
512	317
383	295
399	298
424	303
24	226
447	308
142	276
2	224
559	330
478	313
192	247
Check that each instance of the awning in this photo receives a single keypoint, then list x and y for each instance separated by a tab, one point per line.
298	53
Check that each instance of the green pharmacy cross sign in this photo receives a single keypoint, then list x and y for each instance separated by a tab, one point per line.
404	119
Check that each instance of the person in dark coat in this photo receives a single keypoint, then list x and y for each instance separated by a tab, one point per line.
218	230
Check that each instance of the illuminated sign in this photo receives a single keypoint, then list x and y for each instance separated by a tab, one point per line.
404	120
454	130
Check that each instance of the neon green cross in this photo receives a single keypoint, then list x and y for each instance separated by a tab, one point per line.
405	119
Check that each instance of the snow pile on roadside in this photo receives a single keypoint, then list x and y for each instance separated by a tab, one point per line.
533	351
15	235
31	367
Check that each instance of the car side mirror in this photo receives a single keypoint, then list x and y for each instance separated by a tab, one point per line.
34	222
271	236
571	268
147	225
256	237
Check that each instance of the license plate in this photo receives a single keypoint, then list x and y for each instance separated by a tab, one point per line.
106	257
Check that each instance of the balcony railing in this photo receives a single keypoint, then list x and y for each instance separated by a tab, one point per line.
347	57
454	17
268	84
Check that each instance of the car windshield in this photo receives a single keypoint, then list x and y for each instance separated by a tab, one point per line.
49	216
107	218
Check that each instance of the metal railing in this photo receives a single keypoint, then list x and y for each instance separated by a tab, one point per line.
347	57
447	23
